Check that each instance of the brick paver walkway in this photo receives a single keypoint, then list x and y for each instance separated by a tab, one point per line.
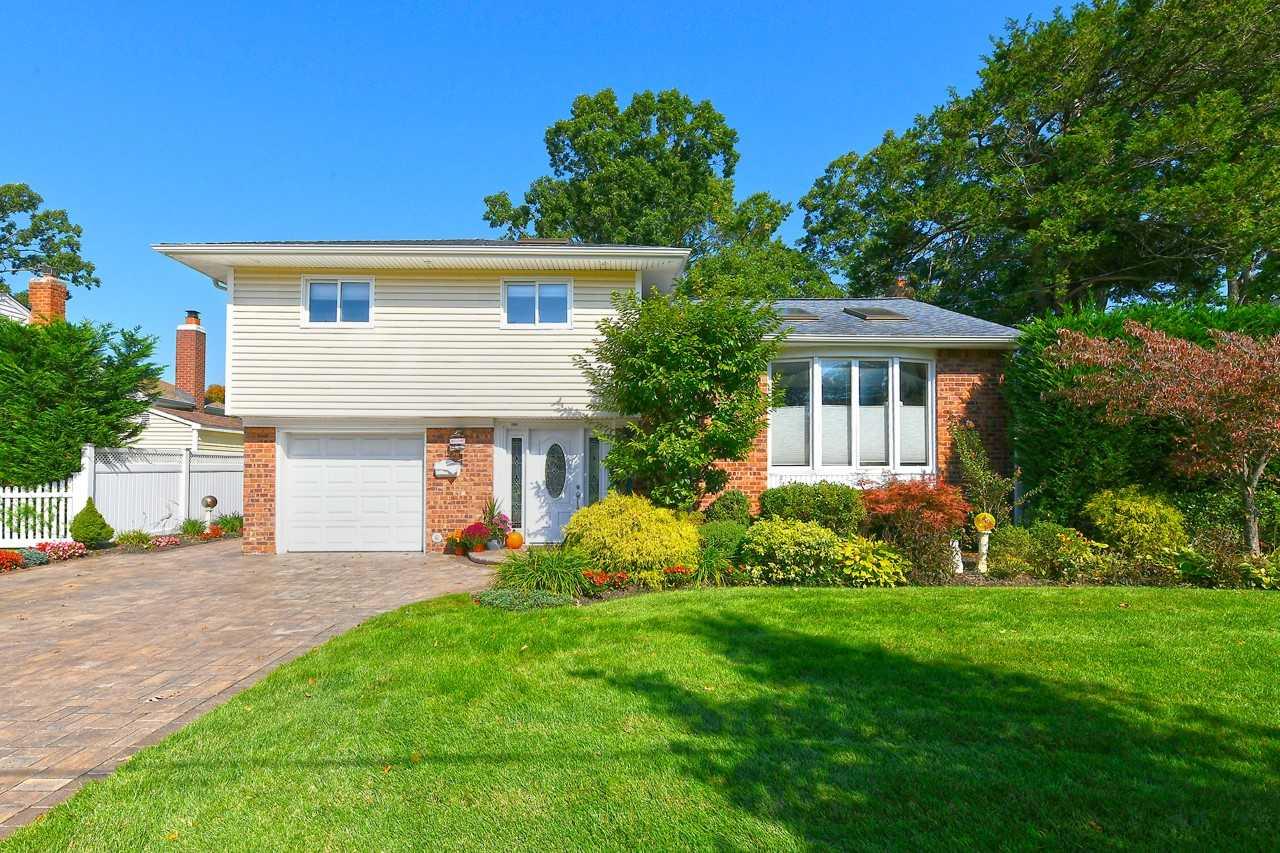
106	655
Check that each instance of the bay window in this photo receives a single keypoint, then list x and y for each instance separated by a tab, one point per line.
789	423
845	414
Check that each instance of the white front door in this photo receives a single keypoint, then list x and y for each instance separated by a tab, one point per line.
353	492
555	482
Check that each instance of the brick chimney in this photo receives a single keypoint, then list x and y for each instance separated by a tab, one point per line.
188	367
48	298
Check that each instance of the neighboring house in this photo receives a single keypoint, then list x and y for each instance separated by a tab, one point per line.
179	420
389	389
13	309
180	417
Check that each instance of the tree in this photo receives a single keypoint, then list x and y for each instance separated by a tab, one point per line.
215	394
1125	149
43	241
746	258
63	386
1225	398
655	173
687	373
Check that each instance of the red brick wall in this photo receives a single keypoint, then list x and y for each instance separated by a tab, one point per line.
456	503
188	368
969	389
751	475
48	298
259	490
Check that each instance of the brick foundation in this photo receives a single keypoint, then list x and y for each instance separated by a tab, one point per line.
259	490
456	503
969	389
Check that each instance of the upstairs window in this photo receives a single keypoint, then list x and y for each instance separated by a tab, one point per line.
339	301
536	303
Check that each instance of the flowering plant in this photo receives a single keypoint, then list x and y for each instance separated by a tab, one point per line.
158	542
214	532
474	534
10	560
605	580
497	522
62	550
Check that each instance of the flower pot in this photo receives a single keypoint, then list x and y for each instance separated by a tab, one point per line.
477	548
494	544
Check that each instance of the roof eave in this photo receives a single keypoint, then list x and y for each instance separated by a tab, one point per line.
216	259
934	341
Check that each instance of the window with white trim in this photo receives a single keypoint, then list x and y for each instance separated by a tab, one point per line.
847	413
536	303
339	301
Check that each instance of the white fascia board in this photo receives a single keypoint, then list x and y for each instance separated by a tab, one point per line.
217	260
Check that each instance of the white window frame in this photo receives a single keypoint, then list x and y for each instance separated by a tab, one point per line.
308	280
895	466
537	303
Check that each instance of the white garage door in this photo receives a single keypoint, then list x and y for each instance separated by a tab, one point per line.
353	493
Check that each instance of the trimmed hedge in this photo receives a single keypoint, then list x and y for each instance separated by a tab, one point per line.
1068	451
835	506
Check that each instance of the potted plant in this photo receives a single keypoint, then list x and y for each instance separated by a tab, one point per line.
474	536
498	523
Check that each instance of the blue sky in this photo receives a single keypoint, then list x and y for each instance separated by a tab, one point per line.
163	122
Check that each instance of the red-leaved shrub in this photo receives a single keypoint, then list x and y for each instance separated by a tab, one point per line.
920	517
930	502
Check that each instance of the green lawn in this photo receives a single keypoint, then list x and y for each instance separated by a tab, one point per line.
763	719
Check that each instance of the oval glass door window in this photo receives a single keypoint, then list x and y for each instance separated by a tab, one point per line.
555	470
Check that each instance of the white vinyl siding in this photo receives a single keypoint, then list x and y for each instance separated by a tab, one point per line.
218	441
437	349
164	434
13	309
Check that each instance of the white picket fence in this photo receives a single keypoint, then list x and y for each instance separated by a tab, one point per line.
151	490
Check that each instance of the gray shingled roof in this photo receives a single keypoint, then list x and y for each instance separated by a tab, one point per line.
923	320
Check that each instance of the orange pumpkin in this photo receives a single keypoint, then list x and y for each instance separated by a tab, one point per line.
515	540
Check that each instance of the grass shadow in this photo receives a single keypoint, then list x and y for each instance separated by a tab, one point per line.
858	746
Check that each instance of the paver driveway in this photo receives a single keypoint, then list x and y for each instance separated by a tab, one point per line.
105	655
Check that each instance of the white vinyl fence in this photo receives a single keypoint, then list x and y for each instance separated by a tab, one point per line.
151	490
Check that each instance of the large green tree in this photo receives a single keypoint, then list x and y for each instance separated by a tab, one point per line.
660	172
63	386
654	173
747	258
37	240
1117	150
687	373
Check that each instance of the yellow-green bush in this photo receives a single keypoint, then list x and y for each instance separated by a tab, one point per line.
869	562
1134	523
784	551
624	533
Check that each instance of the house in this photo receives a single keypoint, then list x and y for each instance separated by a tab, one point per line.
389	389
179	420
180	417
13	309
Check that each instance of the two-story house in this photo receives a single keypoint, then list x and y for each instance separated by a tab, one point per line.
389	389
